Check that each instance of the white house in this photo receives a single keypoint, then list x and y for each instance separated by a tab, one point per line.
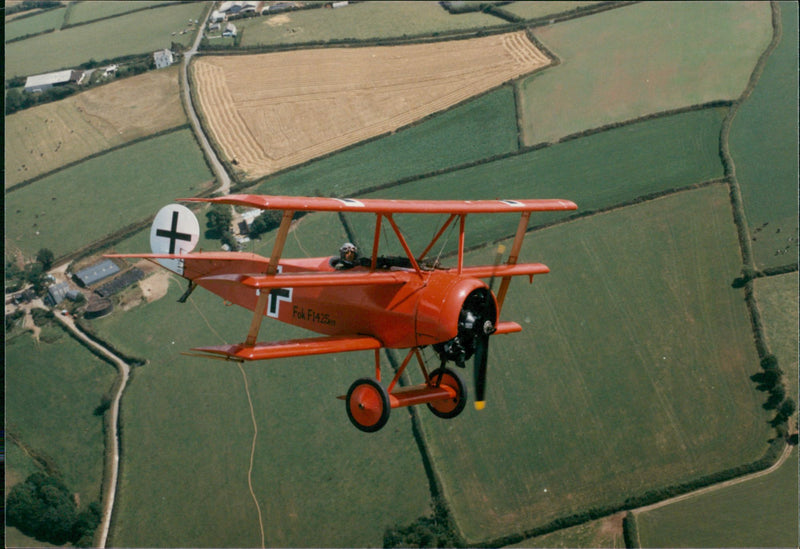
163	58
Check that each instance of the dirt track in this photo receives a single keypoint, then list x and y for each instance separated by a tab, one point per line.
271	111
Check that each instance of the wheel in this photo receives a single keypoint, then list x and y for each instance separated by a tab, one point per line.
449	408
368	405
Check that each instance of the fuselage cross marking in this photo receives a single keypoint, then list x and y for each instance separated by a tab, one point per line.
276	295
173	233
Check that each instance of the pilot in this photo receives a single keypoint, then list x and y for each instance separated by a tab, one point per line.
348	256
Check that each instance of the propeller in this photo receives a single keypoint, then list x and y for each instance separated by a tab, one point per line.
482	341
476	323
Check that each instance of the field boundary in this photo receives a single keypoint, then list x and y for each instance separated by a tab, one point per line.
25	183
528	149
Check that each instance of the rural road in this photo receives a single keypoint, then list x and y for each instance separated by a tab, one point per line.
112	442
219	170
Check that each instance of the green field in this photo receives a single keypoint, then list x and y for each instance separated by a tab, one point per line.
90	200
478	129
22	26
757	513
137	33
778	301
361	21
56	387
187	436
635	355
534	10
763	144
598	171
632	61
83	12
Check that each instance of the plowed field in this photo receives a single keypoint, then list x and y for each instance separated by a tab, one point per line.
271	111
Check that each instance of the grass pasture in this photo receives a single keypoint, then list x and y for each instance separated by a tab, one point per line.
478	129
57	386
778	301
84	12
598	171
136	33
650	57
188	434
535	10
35	24
763	144
86	202
635	355
757	513
369	20
47	137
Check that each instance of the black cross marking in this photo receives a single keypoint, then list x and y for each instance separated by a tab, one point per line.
276	295
173	233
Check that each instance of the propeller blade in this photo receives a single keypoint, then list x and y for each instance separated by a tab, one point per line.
481	361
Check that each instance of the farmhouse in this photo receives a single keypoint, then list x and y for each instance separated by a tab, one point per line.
163	58
96	273
41	82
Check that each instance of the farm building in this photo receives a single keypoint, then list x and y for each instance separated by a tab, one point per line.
217	16
230	30
120	283
41	82
163	58
74	295
280	6
96	273
237	8
56	293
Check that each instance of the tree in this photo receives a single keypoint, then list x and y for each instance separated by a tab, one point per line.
43	508
45	257
219	219
267	221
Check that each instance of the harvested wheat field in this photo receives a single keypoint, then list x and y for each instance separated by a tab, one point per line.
271	111
47	137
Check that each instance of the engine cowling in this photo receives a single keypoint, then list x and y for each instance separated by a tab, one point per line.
451	312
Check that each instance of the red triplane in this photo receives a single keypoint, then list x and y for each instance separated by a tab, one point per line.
399	302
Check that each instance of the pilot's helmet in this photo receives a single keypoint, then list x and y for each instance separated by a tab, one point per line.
348	252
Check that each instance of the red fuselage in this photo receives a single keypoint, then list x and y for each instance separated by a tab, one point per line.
419	309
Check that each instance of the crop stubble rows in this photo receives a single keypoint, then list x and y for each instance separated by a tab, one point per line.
272	111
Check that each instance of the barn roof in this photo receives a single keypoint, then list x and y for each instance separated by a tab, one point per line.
48	79
97	272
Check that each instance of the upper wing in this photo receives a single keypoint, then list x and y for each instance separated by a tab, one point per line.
384	206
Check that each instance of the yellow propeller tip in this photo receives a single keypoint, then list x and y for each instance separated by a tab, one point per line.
501	249
480	405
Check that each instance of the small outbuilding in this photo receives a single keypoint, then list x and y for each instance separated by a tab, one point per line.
56	293
230	30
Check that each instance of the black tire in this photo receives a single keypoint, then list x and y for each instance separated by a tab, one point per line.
451	378
368	405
